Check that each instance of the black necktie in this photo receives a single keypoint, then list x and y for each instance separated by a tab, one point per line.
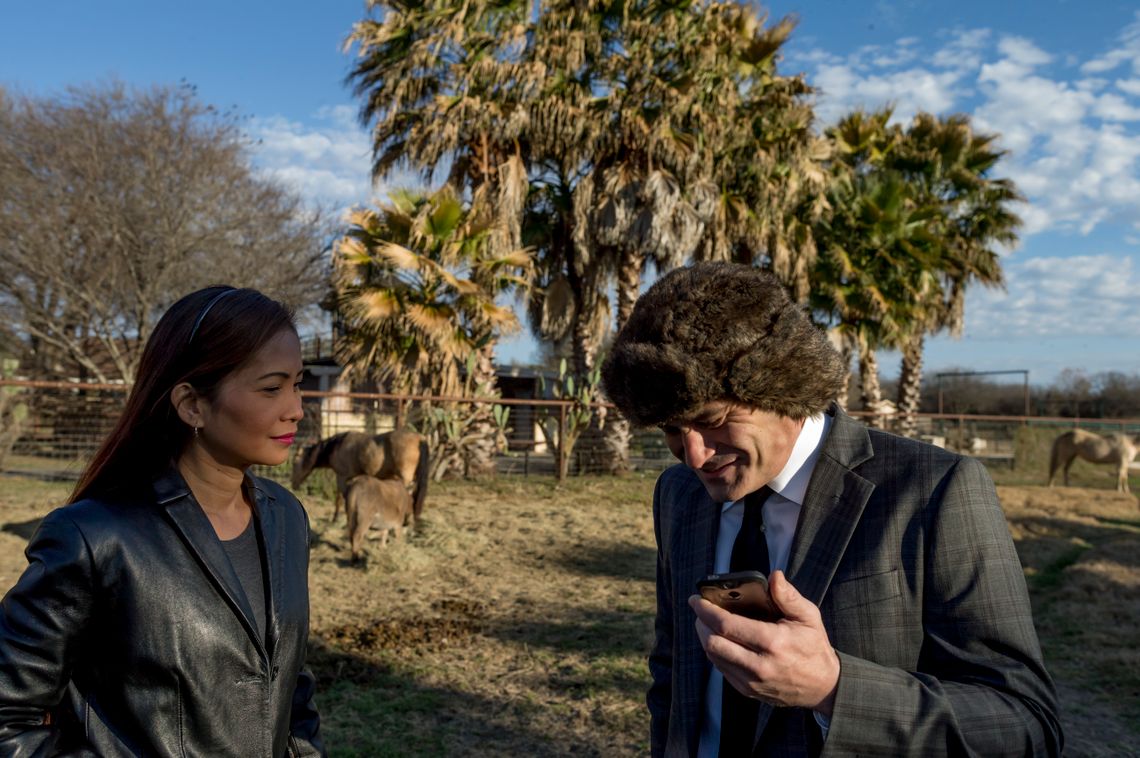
749	552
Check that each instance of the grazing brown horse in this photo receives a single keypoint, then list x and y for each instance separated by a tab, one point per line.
375	503
400	454
1117	449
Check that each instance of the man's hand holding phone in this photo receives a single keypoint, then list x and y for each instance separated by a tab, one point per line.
786	660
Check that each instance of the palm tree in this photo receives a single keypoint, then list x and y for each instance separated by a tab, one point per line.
606	136
418	286
442	83
694	149
950	165
873	278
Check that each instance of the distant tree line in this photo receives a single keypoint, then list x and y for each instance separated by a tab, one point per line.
1074	394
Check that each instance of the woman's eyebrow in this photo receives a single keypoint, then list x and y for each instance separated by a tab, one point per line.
282	374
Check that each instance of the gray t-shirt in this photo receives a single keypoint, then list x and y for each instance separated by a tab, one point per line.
245	557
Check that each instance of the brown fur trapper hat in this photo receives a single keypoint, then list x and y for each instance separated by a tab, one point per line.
719	331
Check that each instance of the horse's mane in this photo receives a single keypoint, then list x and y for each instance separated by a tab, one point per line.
320	451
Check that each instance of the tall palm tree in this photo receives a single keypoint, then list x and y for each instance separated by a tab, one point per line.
419	285
950	165
873	277
606	136
442	84
693	153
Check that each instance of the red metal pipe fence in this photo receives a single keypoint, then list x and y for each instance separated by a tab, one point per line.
62	423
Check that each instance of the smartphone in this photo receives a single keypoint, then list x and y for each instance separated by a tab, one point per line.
742	592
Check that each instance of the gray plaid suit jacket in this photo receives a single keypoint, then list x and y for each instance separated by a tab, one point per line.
906	551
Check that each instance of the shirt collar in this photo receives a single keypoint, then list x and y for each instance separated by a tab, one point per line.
792	481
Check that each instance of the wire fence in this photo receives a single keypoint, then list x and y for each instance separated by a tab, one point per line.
50	429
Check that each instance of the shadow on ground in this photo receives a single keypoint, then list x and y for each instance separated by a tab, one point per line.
22	529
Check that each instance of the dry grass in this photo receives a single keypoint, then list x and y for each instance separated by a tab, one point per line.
516	621
1081	552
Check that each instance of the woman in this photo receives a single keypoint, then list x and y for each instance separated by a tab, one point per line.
165	609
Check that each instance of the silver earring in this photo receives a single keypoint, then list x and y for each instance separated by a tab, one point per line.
195	432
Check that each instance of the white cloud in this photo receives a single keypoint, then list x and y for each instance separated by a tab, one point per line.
1073	138
1112	107
1023	52
890	57
843	87
1034	219
1126	51
1091	84
1090	295
964	51
327	162
1106	63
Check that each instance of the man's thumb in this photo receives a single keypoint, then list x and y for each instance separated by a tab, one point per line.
786	597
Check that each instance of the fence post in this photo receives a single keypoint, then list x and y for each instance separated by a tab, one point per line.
560	464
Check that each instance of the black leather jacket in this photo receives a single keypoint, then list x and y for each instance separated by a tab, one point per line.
126	631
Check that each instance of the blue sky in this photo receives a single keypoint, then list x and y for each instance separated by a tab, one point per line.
1059	80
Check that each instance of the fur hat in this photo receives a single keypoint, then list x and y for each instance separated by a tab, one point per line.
719	331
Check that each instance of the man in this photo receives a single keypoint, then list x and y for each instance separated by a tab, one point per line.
906	626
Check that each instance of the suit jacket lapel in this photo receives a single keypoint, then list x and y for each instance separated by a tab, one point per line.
198	533
832	506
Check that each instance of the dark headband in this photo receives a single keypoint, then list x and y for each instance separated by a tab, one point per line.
209	305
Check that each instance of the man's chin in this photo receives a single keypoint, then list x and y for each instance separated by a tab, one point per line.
720	490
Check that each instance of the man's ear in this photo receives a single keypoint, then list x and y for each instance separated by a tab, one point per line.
187	404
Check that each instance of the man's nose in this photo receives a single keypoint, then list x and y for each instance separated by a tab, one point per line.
696	448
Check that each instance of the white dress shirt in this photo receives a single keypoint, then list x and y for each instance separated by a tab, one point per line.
781	514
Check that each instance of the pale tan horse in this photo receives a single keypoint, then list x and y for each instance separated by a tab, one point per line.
1118	449
400	454
382	504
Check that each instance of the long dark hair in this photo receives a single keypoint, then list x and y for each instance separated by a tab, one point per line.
200	340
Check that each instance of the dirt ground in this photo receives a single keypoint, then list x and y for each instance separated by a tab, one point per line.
1081	552
517	618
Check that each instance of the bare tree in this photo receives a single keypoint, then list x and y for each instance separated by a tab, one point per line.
114	203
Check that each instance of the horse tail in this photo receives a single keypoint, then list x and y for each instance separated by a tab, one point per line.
421	480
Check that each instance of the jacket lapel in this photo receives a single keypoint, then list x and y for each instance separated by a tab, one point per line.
832	507
198	533
271	541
